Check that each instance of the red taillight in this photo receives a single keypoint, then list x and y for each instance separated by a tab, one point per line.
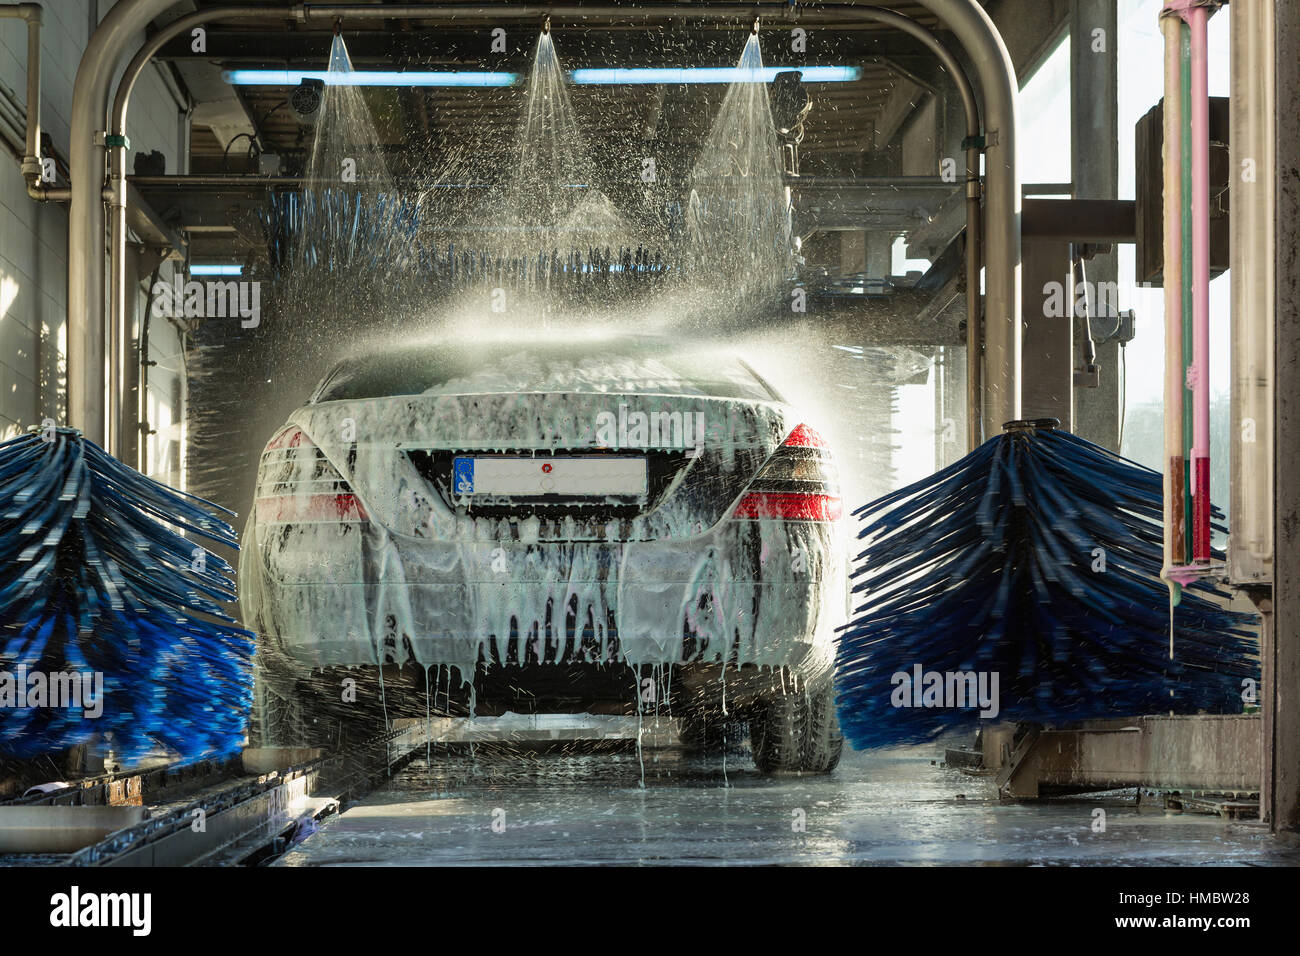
804	437
291	437
297	484
798	483
304	509
789	506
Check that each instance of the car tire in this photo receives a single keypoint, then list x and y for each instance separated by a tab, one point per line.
797	733
823	742
776	733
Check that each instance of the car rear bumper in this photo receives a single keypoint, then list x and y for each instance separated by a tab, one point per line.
759	593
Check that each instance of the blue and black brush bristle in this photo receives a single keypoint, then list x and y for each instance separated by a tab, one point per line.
96	578
992	565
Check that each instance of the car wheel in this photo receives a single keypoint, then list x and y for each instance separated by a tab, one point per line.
776	733
823	742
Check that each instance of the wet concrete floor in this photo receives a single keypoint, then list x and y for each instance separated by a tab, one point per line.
522	808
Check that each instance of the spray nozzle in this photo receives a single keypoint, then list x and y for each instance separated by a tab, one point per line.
754	31
546	26
338	25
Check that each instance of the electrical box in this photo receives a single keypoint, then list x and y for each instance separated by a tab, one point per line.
1149	143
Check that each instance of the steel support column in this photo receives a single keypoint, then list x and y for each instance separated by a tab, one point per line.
1048	387
1282	641
1094	161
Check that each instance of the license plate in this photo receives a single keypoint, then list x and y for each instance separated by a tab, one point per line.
590	476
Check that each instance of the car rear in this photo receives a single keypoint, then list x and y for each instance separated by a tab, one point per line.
550	532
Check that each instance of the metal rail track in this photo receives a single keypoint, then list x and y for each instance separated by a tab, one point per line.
256	819
248	821
146	786
228	813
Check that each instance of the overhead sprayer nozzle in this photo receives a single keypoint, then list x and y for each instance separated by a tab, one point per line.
755	30
338	25
546	26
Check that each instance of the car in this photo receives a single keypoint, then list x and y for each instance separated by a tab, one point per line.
600	524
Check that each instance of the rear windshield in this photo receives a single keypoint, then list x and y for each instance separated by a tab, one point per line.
618	366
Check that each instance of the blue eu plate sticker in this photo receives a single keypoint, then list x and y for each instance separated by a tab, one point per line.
463	475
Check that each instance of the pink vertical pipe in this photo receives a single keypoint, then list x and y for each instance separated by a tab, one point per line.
1199	374
1175	519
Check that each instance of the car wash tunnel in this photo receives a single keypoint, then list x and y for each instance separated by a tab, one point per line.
660	433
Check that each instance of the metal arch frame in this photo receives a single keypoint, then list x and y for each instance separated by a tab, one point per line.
1001	337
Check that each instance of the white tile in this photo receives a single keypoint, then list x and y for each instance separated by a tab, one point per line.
18	344
17	396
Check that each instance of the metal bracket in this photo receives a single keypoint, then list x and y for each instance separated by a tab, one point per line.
1087	377
1122	331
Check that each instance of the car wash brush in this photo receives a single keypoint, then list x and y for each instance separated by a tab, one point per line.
1022	583
111	619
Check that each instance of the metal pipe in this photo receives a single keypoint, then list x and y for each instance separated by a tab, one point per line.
1198	18
979	27
1194	220
15	114
142	386
306	12
1185	271
31	13
974	316
1174	527
1252	251
973	28
115	352
15	134
86	339
31	160
50	193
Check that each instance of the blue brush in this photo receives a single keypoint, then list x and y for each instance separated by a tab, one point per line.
1037	558
96	579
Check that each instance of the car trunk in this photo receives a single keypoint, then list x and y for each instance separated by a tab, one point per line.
549	466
